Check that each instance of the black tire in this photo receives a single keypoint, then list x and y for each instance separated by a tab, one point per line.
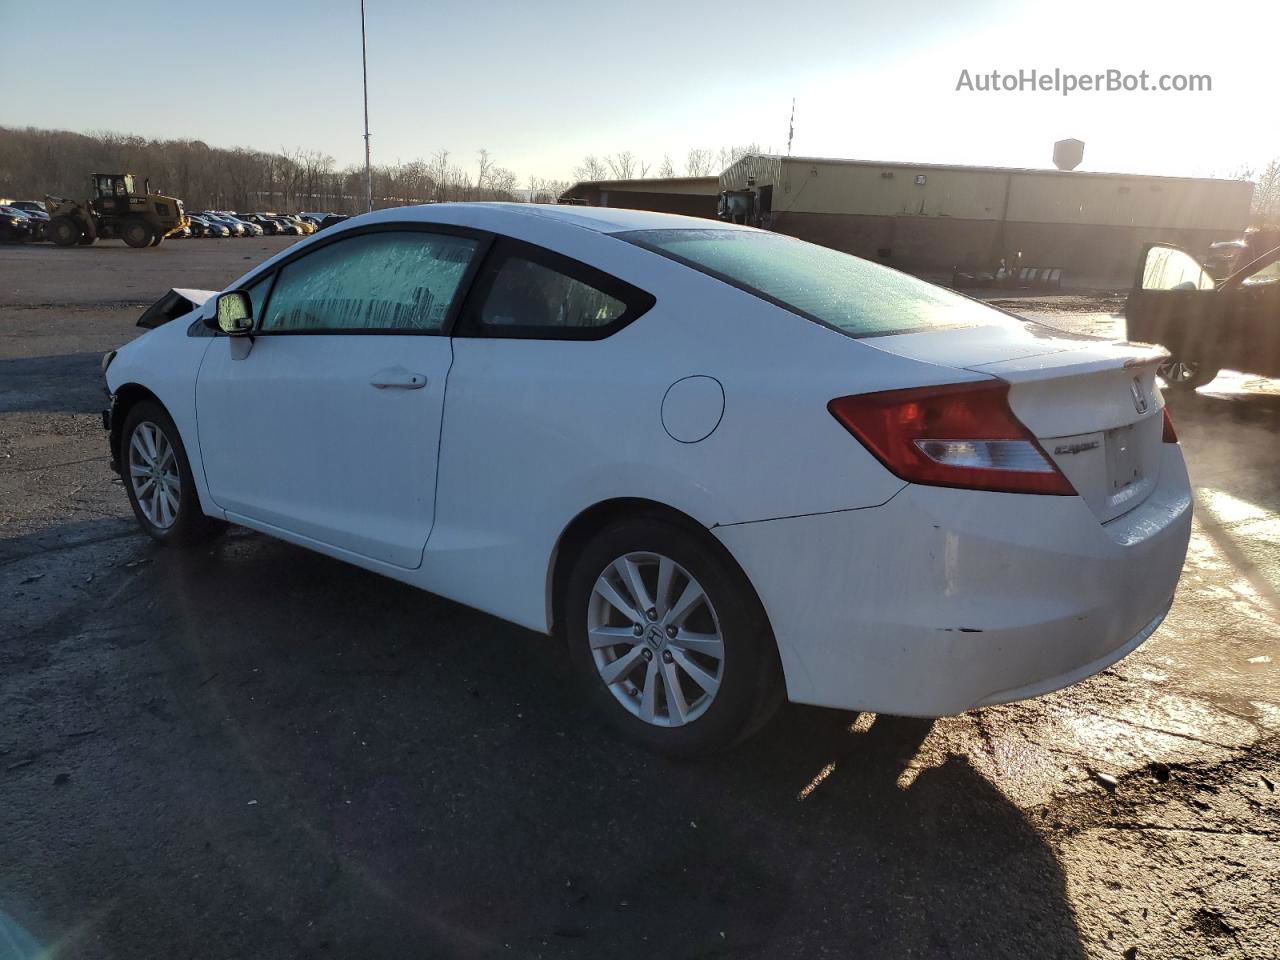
750	677
64	231
1184	376
189	525
136	233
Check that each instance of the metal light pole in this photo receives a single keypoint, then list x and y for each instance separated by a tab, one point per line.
364	65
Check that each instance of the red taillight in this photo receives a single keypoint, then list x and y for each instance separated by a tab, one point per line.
955	435
1170	435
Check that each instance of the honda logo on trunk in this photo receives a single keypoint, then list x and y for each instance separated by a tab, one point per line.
1139	398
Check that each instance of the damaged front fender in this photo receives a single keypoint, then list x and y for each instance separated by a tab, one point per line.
176	303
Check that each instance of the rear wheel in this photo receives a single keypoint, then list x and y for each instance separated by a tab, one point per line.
1179	374
136	233
64	231
157	476
670	638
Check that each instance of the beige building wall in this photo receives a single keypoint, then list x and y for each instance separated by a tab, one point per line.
817	186
1131	201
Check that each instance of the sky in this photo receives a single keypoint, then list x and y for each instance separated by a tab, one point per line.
540	84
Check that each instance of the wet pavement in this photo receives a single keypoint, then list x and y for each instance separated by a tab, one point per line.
251	750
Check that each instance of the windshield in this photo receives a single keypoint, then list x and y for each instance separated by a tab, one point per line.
853	295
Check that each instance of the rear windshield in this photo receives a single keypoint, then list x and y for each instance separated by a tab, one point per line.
855	296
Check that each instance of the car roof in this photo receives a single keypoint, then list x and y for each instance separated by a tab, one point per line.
597	219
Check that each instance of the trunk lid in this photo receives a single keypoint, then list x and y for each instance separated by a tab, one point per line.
1092	404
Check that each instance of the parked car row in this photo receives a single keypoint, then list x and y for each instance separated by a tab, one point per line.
23	220
224	223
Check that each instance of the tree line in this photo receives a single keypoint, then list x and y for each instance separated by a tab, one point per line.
36	162
626	165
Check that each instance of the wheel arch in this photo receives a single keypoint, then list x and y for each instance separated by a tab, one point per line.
125	398
599	515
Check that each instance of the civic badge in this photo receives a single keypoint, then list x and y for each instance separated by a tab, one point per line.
1139	398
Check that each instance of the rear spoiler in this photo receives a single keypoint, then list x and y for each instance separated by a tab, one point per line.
176	303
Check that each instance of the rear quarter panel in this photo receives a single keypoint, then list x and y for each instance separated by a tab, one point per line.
536	431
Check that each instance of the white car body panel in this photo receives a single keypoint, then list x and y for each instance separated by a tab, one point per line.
882	595
335	458
197	297
943	600
165	361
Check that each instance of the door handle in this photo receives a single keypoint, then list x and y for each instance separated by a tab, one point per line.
398	378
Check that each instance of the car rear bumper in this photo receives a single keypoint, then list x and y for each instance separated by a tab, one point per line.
943	600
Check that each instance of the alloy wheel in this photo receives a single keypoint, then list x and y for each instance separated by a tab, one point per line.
1178	371
655	639
153	473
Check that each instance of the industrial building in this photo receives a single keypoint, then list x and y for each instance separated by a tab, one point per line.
934	217
691	196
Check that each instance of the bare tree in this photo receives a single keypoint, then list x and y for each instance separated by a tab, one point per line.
591	168
622	165
439	172
666	168
728	156
486	165
698	163
502	184
1266	195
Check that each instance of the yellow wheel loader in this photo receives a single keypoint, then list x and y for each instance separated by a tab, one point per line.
116	210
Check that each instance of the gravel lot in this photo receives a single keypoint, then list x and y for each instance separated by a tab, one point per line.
256	751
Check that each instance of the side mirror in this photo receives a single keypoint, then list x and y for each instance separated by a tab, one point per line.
234	313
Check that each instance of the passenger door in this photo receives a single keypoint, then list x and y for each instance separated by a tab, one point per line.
1174	303
325	424
537	376
1254	334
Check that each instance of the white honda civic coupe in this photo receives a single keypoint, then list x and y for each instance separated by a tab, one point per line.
722	465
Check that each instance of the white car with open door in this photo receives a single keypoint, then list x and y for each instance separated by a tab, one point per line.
722	464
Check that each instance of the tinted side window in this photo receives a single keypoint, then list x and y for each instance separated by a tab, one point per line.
401	281
1269	274
528	291
1167	268
527	294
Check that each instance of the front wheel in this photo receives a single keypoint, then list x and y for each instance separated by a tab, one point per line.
1185	375
157	476
670	637
64	231
136	233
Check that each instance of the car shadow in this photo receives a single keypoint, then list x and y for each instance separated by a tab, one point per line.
289	755
65	383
